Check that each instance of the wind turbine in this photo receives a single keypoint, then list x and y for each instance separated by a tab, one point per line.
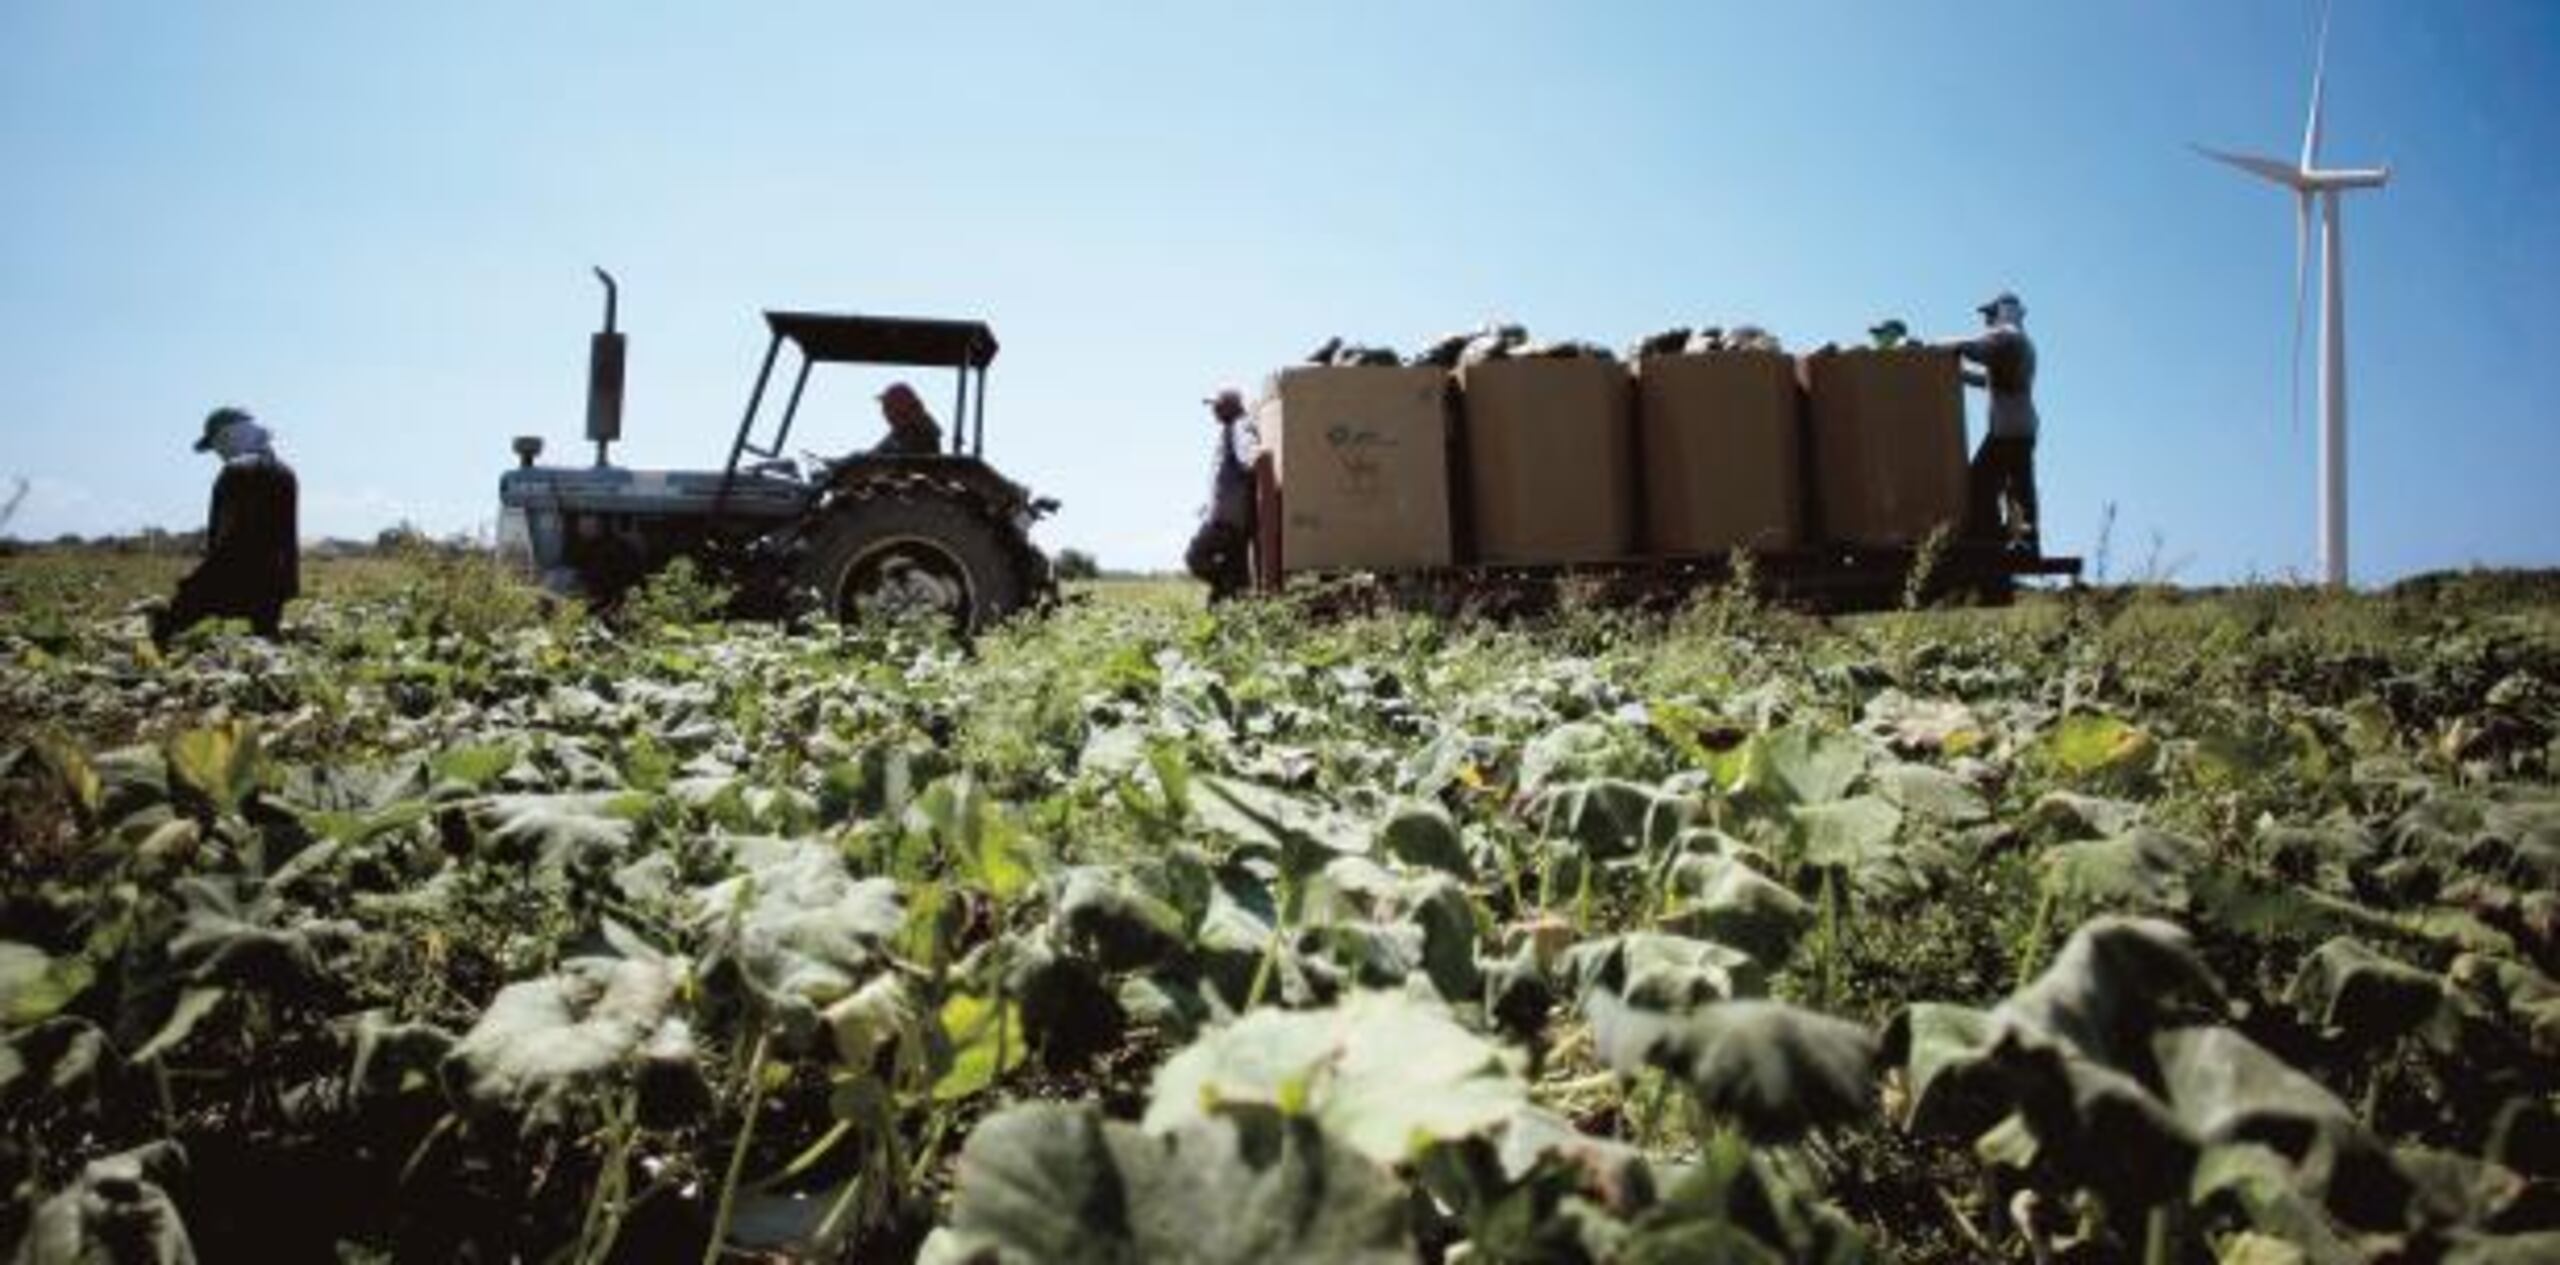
2309	182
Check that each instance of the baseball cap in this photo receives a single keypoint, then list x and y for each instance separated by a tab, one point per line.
216	421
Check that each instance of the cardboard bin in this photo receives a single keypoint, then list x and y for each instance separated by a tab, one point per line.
1720	438
1361	458
1550	460
1886	430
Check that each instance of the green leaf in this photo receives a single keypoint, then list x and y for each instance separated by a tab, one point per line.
1734	1208
1662	972
1384	1074
193	1005
2107	990
1933	726
2349	988
1424	834
1610	817
1794	765
1575	749
2453	1189
1954	1092
1931	794
796	926
2253	1185
254	945
2072	1054
543	1042
2143	871
1775	1069
880	1014
2070	815
2098	750
73	772
556	832
219	763
1301	832
117	1213
2536	1247
1103	912
1055	1184
972	830
986	1042
35	984
1720	898
2523	998
393	1057
1850	835
2228	1090
475	765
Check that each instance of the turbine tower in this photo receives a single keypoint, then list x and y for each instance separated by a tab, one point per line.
2311	182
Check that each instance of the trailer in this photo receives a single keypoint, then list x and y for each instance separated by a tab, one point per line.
1835	483
1828	579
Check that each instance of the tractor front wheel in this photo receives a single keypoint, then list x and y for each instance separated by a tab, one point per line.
906	556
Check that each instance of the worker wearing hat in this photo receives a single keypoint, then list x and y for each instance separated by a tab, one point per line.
252	554
2004	475
912	430
1221	550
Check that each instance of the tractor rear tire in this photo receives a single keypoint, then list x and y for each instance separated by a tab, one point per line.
902	554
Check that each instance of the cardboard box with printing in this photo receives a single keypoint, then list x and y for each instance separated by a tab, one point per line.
1361	455
1886	430
1721	439
1550	459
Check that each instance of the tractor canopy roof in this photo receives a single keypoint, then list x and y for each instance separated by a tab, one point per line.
886	340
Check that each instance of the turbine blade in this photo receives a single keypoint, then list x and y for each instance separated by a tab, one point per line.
2319	83
2301	298
2263	168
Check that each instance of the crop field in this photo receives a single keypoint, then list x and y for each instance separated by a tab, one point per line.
2117	925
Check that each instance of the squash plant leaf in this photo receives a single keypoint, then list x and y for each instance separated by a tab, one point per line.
1777	1070
542	1042
118	1212
1056	1184
2347	987
795	926
2099	751
1722	899
1384	1074
35	984
218	763
985	1040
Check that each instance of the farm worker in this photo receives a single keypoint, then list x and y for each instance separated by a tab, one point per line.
1220	551
252	558
912	430
2004	467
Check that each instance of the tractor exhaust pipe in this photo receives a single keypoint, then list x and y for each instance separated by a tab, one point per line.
604	375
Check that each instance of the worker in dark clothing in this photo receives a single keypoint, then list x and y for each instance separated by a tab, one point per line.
252	556
912	430
1221	551
2004	475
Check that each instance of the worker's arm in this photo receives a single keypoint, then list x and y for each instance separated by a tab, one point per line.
1976	378
1970	348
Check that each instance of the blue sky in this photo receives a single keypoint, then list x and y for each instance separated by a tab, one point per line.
372	224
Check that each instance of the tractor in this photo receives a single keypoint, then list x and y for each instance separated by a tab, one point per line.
938	535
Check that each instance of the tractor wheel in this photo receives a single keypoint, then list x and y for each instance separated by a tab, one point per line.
907	555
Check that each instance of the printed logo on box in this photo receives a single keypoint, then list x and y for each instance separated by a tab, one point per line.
1356	449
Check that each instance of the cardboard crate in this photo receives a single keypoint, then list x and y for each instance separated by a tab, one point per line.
1360	455
1720	439
1886	429
1550	457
